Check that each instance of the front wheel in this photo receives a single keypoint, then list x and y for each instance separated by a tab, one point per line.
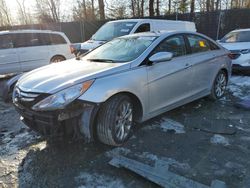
219	85
115	120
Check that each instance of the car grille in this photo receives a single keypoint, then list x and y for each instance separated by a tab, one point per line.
27	99
235	54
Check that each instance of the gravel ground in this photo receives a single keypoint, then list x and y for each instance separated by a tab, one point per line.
203	141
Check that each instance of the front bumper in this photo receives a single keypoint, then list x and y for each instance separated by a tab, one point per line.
78	119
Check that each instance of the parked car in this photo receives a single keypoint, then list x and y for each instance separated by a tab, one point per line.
25	50
119	28
125	81
238	42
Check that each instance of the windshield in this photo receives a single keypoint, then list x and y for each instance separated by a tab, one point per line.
237	36
112	30
120	49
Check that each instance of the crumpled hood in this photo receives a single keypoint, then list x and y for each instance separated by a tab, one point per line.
91	44
236	45
58	76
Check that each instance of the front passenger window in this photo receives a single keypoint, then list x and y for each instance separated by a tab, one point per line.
175	45
143	28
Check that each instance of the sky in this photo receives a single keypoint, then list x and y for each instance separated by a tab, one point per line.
66	6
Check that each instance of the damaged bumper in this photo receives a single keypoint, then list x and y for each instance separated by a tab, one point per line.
76	120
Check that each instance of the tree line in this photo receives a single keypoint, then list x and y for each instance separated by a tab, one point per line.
47	11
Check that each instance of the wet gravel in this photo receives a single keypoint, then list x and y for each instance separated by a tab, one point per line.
203	141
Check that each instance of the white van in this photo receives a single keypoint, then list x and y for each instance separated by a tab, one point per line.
25	50
119	28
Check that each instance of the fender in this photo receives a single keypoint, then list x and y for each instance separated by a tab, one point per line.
7	87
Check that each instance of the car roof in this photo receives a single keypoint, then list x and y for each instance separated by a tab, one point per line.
163	33
146	19
239	30
29	31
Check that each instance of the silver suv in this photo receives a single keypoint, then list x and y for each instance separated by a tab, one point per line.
129	79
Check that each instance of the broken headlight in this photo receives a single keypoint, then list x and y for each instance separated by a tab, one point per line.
61	99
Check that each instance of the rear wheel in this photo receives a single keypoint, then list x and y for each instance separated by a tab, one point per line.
219	85
115	120
57	59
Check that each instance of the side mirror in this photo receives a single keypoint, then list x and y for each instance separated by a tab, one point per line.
161	56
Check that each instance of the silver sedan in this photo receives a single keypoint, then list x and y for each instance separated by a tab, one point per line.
129	79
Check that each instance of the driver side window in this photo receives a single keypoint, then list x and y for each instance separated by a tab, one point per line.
175	44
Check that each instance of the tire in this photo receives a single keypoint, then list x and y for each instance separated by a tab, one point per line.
57	59
115	120
219	85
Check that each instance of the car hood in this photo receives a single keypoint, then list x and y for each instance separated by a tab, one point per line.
236	45
55	77
91	44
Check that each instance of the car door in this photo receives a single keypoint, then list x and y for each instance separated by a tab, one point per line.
9	62
169	82
32	53
203	57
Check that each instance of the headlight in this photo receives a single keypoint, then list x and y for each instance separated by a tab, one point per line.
61	99
245	51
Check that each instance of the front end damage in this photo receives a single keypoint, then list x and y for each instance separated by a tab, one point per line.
76	121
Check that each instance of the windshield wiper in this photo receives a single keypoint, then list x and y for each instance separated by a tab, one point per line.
102	60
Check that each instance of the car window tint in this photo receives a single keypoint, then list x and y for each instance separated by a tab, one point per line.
5	42
213	46
175	44
44	38
26	39
198	44
57	39
143	28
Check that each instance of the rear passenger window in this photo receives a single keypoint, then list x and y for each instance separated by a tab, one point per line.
143	28
5	42
175	44
198	44
44	38
57	39
26	40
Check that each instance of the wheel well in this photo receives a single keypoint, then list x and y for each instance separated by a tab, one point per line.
136	102
57	56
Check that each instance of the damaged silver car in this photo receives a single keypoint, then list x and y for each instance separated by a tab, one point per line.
121	83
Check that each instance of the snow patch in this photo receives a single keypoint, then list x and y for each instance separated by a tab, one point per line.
117	151
167	125
237	84
85	180
218	139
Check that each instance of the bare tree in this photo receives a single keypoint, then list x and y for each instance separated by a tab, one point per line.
192	7
48	10
151	7
5	17
84	10
101	9
169	6
158	7
24	16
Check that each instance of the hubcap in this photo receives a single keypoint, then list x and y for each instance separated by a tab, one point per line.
123	121
220	85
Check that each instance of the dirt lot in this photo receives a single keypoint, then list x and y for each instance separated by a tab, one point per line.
187	138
